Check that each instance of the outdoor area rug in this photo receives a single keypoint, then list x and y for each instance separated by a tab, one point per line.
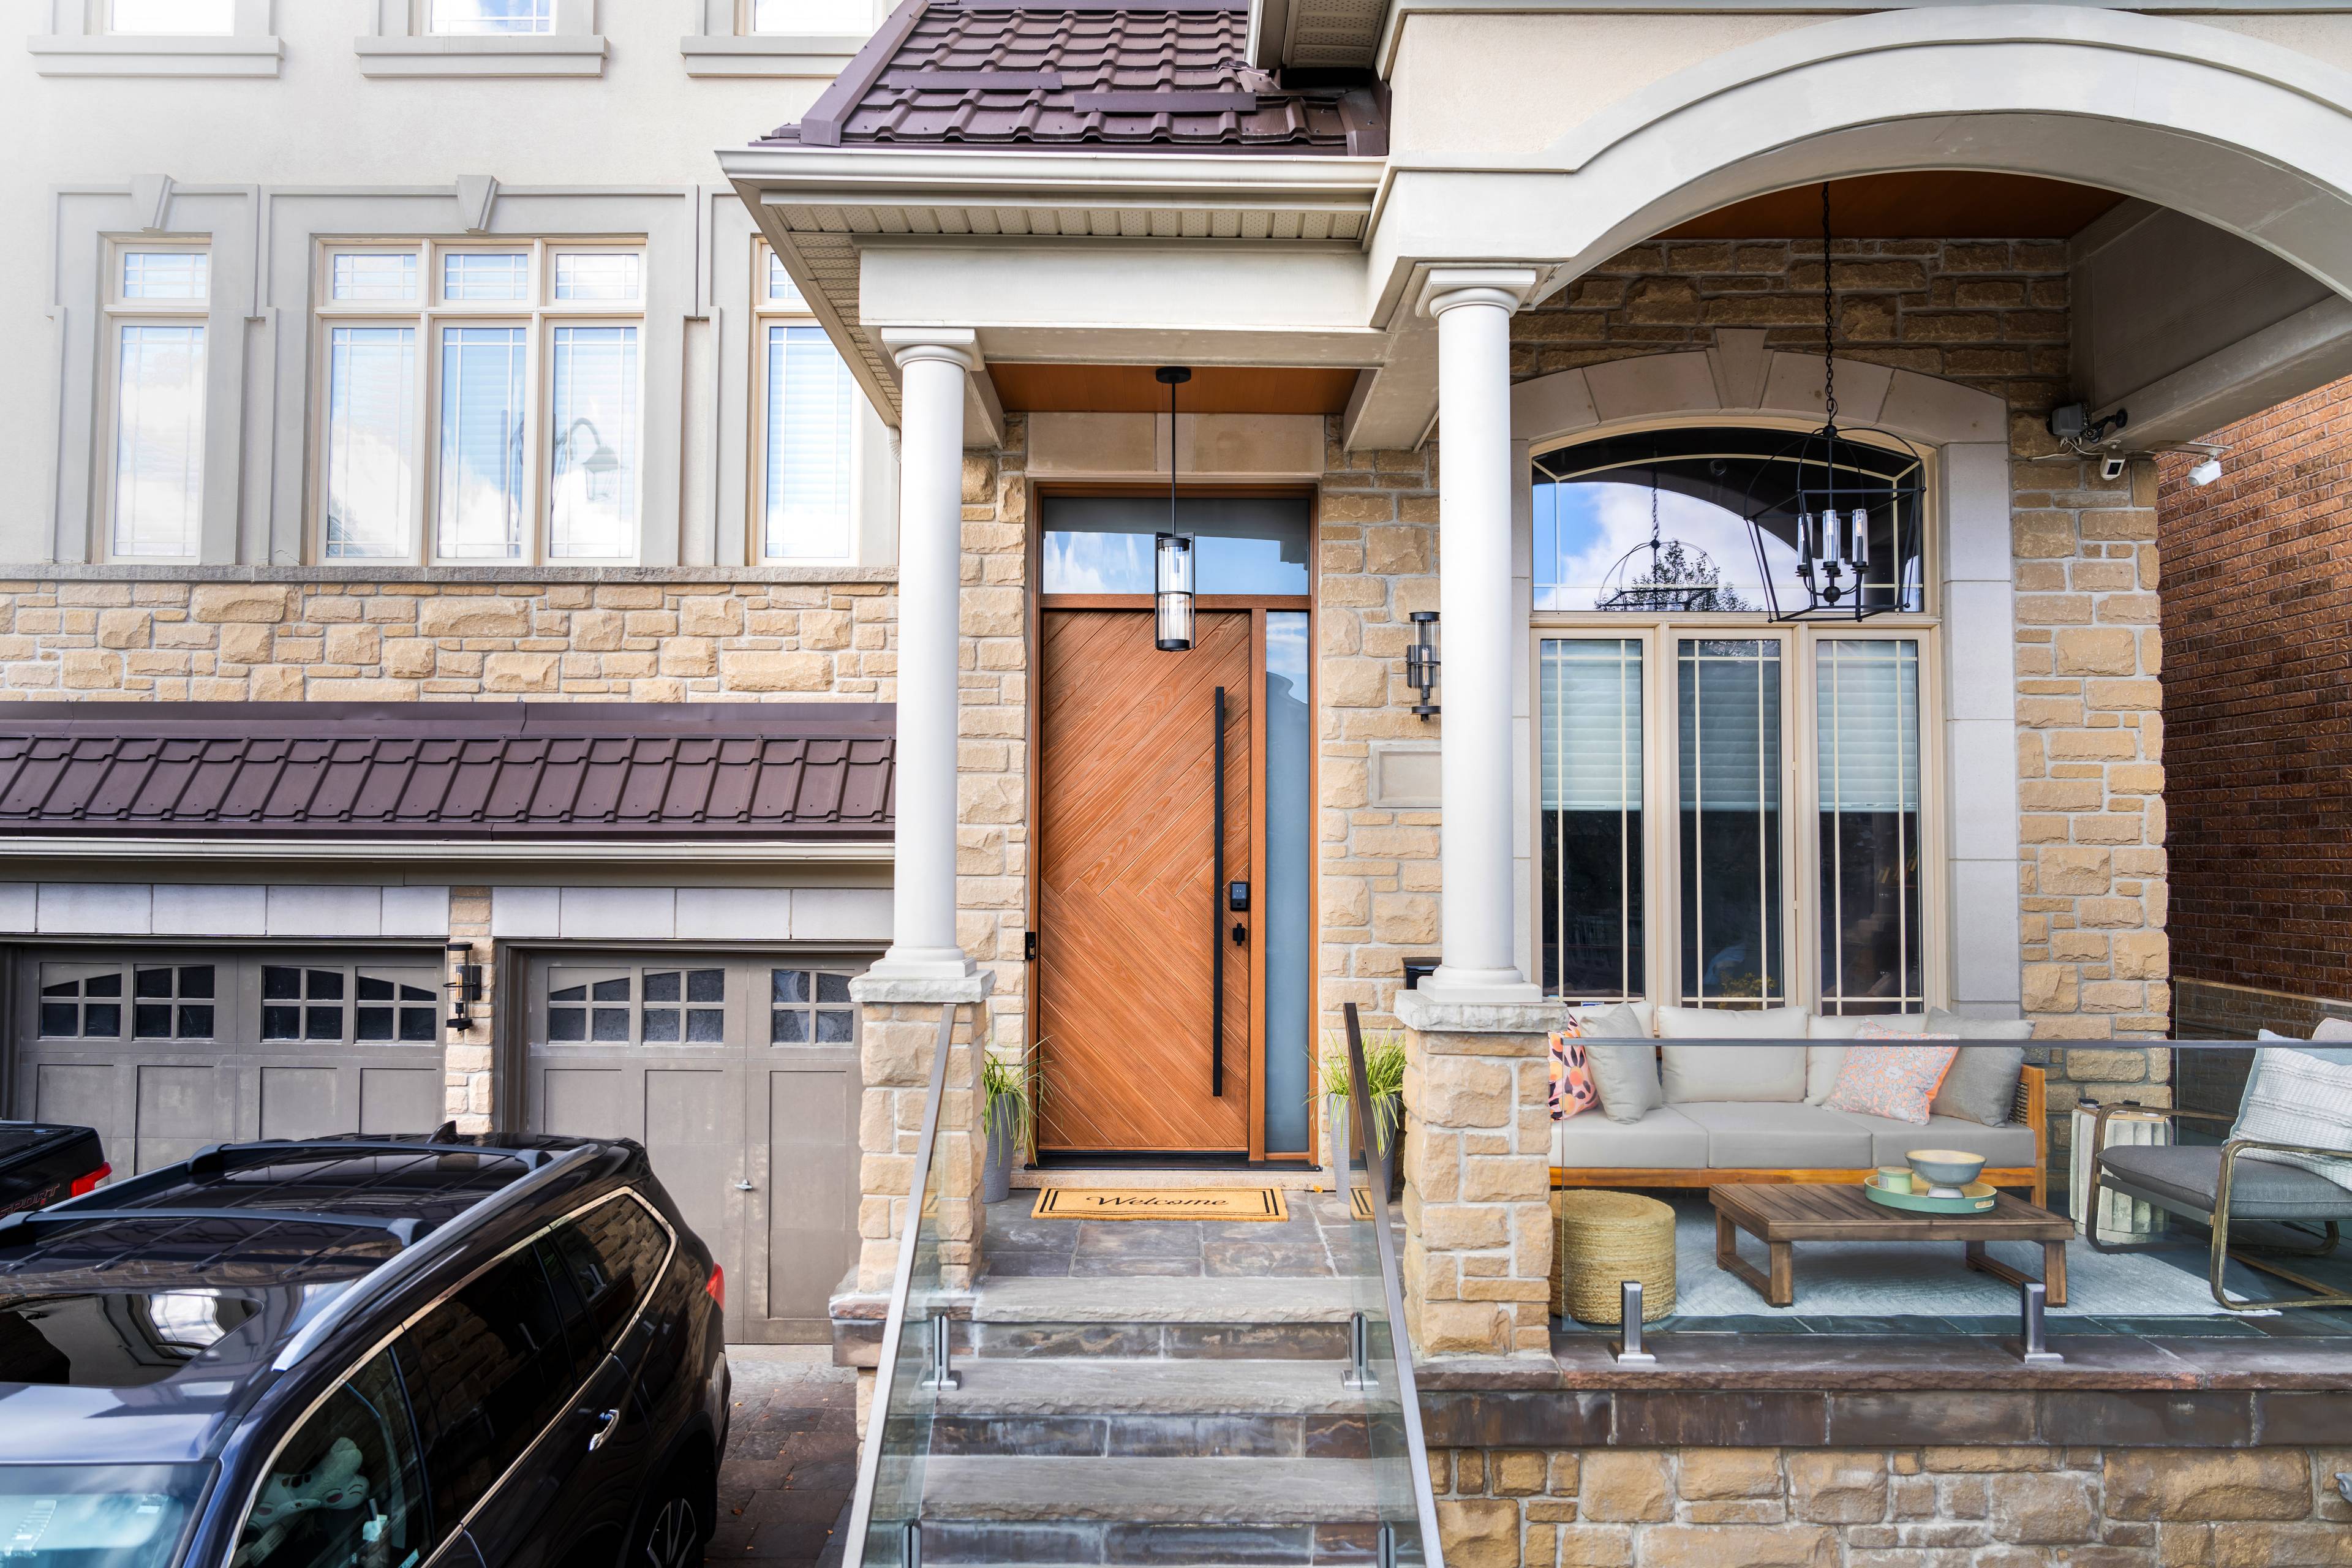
1224	1204
1927	1279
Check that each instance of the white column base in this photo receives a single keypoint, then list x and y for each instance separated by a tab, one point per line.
1449	984
922	963
921	990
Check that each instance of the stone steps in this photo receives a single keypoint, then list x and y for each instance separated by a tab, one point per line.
1111	1387
1191	1491
1167	1301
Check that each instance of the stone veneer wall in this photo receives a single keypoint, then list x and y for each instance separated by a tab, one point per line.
1892	1507
1990	314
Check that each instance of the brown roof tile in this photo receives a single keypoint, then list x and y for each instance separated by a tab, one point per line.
449	770
1083	74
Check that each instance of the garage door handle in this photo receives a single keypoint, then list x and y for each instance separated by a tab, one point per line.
607	1420
743	1186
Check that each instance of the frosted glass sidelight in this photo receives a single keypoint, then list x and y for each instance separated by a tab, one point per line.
1728	694
184	17
1868	749
492	16
468	276
1287	924
373	276
479	509
811	402
596	275
159	441
371	441
593	484
1594	937
184	275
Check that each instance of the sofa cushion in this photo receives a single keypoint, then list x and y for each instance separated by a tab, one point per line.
1891	1141
2185	1177
1982	1085
1644	1014
1664	1140
1780	1137
1617	1021
1733	1023
1823	1062
1627	1077
1735	1074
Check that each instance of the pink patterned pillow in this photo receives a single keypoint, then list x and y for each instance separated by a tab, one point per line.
1896	1081
1572	1088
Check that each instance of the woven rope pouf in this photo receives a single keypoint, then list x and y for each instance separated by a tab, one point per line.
1599	1240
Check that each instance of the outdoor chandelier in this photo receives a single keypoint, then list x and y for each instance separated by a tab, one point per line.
1842	487
1678	577
1171	553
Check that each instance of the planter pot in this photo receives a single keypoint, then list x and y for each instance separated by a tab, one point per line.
1004	1152
1342	1136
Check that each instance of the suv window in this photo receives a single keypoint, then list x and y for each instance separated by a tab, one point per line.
346	1490
489	1370
604	1263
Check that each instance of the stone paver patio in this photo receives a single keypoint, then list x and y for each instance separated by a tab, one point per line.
792	1458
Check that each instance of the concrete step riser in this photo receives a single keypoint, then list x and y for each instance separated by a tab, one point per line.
1230	1436
1155	1341
1334	1545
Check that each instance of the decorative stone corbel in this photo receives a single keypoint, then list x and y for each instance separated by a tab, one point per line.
150	200
477	195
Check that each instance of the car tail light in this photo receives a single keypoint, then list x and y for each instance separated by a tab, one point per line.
716	1286
85	1184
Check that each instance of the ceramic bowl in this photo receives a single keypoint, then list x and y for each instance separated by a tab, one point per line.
1945	1167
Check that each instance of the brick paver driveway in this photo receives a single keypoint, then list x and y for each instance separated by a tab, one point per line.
792	1458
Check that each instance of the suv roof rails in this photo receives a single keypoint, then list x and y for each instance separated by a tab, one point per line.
414	1260
214	1158
403	1230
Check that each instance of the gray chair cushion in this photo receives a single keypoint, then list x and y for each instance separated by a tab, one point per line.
1981	1086
1716	1074
1742	1136
1626	1077
1891	1141
1664	1140
2184	1179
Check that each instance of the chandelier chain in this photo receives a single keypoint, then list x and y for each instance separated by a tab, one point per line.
1829	318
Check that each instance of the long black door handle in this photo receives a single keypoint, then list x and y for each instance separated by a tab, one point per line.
1217	915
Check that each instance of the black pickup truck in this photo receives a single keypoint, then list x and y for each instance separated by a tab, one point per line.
42	1162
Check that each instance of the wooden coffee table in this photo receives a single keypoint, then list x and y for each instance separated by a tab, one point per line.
1781	1215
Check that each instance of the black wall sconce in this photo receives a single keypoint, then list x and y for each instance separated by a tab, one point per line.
1421	662
465	989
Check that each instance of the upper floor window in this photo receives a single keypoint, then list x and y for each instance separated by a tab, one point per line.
483	402
808	424
183	17
490	16
808	16
1658	521
156	346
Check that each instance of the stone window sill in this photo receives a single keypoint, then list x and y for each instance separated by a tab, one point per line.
771	54
110	55
576	55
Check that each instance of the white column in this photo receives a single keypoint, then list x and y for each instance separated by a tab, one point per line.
932	365
1473	307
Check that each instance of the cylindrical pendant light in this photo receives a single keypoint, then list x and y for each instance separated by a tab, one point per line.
1172	555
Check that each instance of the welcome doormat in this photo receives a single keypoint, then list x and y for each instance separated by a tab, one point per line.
1161	1203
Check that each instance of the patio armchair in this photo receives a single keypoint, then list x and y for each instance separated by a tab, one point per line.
2217	1187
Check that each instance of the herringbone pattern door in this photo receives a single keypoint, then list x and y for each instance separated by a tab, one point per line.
1130	914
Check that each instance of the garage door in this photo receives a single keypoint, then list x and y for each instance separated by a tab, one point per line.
165	1052
740	1076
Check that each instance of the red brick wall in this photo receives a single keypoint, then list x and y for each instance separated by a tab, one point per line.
2258	702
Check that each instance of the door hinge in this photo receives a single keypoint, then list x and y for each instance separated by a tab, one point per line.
1029	947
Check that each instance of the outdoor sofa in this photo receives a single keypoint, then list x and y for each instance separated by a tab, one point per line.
1699	1116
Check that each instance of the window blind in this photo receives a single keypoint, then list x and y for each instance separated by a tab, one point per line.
1868	725
594	474
371	440
1729	696
811	401
1591	696
481	447
159	442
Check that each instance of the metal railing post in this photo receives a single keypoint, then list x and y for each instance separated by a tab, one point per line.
1627	1348
2033	1298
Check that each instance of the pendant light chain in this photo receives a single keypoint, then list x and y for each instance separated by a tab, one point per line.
1829	318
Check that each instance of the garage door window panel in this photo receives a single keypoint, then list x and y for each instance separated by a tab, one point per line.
809	1008
173	1002
81	1002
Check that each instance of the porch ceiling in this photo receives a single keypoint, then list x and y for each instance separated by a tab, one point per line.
1133	389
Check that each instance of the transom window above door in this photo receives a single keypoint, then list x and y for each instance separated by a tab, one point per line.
483	401
1659	523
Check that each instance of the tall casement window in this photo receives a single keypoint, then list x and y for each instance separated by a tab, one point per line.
1729	809
156	351
479	16
807	430
483	403
181	18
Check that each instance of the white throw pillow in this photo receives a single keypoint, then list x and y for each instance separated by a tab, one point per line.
2293	1097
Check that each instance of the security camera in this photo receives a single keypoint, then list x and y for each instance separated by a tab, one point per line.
2071	425
2111	467
2206	472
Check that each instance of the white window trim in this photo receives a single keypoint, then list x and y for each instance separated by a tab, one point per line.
727	46
116	313
765	314
397	45
1801	950
78	44
429	314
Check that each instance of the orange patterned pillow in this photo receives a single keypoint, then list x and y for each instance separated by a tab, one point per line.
1572	1088
1896	1081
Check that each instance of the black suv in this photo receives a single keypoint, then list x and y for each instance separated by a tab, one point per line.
363	1353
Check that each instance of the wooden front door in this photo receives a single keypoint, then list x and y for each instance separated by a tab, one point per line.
1144	993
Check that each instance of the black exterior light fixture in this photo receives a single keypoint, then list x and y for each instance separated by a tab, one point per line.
1842	490
1420	663
465	989
1171	553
